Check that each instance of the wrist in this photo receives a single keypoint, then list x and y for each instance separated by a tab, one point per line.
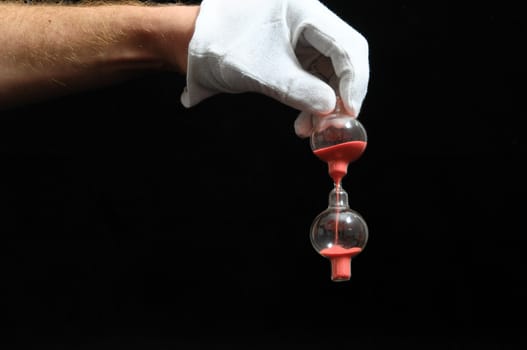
170	30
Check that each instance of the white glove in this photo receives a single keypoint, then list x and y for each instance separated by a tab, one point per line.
295	51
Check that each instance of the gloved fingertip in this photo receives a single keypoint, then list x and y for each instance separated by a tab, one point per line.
325	100
350	107
303	125
352	94
185	98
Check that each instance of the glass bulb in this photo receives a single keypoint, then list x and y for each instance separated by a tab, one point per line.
338	139
339	233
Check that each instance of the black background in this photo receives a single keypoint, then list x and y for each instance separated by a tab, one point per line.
128	219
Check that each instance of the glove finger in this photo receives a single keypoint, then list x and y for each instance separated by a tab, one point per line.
305	92
336	39
349	57
303	125
198	94
185	99
352	93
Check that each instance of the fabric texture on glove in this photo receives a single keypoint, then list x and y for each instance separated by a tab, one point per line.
296	51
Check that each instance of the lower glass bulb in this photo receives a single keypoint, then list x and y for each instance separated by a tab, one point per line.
339	234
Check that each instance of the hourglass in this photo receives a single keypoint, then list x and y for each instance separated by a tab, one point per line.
338	233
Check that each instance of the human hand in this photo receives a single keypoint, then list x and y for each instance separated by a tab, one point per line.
295	51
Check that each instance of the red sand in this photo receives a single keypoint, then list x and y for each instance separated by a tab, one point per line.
340	258
339	156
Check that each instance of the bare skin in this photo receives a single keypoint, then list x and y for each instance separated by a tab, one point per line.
52	50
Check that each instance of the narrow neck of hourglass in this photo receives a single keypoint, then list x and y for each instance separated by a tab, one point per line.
338	197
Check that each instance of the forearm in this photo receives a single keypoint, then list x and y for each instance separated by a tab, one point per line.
53	50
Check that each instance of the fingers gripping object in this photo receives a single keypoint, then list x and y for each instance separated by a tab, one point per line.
296	51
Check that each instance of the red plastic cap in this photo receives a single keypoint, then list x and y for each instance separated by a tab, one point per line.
341	268
340	261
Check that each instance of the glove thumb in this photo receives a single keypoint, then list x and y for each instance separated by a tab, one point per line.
304	124
198	94
185	98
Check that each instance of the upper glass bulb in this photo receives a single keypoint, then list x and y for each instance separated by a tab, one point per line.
338	139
